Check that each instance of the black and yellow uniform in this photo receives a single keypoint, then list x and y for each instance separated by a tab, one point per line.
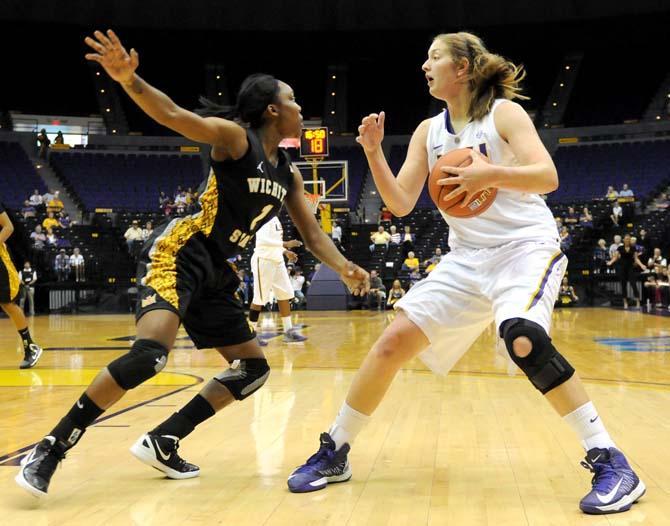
183	265
9	278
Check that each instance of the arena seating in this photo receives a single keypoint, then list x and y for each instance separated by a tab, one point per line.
18	177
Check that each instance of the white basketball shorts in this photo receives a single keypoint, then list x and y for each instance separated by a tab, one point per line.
470	288
270	280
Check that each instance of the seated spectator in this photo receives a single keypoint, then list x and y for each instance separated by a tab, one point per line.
36	199
64	219
559	223
39	238
662	287
414	277
395	293
646	241
571	218
59	138
377	292
50	221
298	282
615	245
407	240
180	210
601	256
649	290
177	192
385	215
163	200
193	206
379	238
616	214
243	287
626	192
586	219
411	262
661	202
48	196
51	237
147	231
78	265
611	194
180	199
28	210
395	235
566	294
638	248
134	238
566	239
433	260
55	205
657	259
190	196
62	265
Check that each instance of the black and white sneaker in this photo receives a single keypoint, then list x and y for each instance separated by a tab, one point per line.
31	355
38	467
160	452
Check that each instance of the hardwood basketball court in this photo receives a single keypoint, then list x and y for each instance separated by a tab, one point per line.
479	447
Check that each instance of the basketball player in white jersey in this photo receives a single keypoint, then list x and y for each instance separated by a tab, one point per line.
505	265
271	277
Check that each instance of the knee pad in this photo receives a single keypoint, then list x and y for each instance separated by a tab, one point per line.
145	360
544	366
245	379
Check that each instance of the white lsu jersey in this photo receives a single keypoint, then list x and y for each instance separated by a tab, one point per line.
513	216
270	241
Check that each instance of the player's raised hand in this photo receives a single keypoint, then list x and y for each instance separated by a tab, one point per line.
112	56
356	279
371	131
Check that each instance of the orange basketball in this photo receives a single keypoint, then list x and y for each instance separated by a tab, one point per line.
478	203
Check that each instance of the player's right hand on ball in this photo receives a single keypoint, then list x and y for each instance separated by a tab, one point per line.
112	56
356	279
371	131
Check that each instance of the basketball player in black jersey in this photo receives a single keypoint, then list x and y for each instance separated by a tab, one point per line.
183	274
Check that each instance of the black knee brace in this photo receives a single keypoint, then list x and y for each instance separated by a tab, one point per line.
544	366
245	379
145	360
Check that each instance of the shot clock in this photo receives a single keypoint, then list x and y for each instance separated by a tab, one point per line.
314	142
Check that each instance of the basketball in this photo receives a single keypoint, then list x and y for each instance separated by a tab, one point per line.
478	203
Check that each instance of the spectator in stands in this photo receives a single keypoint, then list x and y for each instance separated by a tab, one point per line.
59	138
52	238
39	238
559	224
50	221
180	199
379	238
36	199
78	265
600	256
28	210
62	265
395	293
163	200
147	230
180	211
661	202
193	205
407	240
663	287
615	245
638	248
646	242
616	214
626	192
433	260
48	196
385	216
414	277
586	219
336	234
628	260
311	276
44	143
566	294
411	262
657	259
649	289
571	218
55	205
28	278
297	282
377	291
395	235
611	194
566	239
134	238
244	290
64	219
177	193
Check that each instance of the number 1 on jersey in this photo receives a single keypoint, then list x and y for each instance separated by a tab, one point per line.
266	210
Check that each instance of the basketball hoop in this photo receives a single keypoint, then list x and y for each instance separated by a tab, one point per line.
312	201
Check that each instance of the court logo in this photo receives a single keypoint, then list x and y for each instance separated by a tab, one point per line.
651	344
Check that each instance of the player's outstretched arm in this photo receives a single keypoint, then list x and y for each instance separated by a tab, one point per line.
121	66
321	245
399	194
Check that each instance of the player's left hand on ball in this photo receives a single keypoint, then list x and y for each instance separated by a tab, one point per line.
356	279
470	179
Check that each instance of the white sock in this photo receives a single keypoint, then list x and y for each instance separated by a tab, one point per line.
286	322
347	425
589	427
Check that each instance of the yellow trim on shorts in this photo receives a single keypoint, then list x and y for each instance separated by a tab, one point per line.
543	280
162	269
11	272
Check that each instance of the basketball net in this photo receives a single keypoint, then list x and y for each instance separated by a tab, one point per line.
312	201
